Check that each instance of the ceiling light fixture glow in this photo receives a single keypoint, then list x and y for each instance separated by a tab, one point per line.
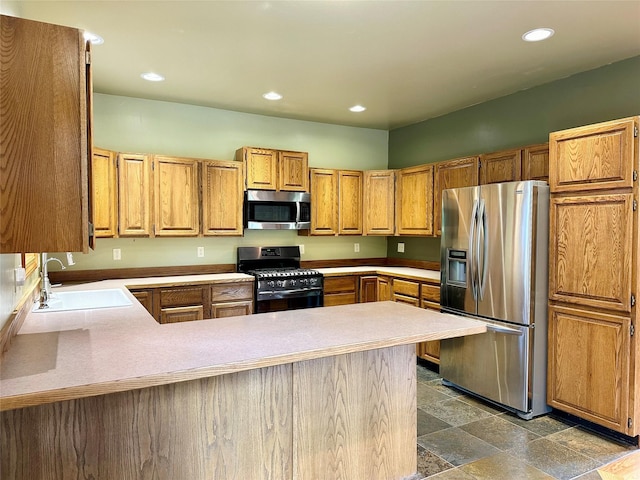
538	34
93	38
357	108
152	77
272	96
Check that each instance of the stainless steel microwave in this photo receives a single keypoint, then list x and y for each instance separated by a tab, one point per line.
269	210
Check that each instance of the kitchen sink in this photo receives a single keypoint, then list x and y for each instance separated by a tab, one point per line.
85	300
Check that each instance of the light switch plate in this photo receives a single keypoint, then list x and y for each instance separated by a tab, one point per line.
401	247
356	247
200	252
117	255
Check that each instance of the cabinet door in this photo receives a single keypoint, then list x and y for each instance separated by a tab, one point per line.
596	157
350	202
44	138
368	288
181	314
324	202
104	193
415	201
145	297
261	167
293	169
134	195
535	162
231	309
462	172
222	197
384	289
340	290
500	167
590	250
176	193
588	368
379	202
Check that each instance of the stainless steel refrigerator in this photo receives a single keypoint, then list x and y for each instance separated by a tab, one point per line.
494	264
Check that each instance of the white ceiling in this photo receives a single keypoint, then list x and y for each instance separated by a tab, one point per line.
406	61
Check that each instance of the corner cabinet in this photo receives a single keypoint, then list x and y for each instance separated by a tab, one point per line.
593	351
461	172
379	202
45	106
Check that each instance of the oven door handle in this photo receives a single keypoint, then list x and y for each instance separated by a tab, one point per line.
297	290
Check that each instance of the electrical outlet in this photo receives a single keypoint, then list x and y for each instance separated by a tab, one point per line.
117	254
301	249
200	252
356	247
401	247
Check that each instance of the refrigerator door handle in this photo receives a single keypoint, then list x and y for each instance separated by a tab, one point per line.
508	331
472	258
482	227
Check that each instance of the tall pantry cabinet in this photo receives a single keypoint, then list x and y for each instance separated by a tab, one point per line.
594	353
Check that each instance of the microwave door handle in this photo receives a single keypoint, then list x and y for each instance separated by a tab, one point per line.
472	241
298	220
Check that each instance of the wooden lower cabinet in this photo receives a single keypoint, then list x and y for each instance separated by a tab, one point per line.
231	299
430	298
145	297
368	288
384	288
589	367
405	291
341	290
186	303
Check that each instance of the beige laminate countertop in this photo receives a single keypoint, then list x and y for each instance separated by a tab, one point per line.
65	355
407	272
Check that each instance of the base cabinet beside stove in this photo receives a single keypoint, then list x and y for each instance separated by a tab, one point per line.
231	299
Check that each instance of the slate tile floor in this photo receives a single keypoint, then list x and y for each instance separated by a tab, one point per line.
462	438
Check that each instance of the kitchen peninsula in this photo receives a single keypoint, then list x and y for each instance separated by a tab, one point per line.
307	394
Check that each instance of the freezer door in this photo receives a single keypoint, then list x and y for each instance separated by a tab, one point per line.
506	231
494	365
457	261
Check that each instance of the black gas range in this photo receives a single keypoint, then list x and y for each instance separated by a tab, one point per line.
280	282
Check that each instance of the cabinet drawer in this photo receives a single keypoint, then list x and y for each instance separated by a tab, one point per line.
174	297
347	298
406	287
231	291
408	300
181	314
431	293
340	284
231	309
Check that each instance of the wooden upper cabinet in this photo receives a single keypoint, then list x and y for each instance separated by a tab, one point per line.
324	201
222	197
535	162
415	201
293	171
350	202
590	250
261	167
500	167
596	157
267	169
176	193
461	172
589	367
379	202
135	195
104	193
45	137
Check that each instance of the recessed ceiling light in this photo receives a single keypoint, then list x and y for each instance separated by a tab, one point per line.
152	77
357	108
94	38
272	96
538	34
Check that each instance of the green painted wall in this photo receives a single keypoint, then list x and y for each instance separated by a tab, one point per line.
524	118
135	125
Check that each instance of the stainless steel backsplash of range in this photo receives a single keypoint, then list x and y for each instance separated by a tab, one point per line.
494	267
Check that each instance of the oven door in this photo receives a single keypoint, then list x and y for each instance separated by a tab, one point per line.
288	300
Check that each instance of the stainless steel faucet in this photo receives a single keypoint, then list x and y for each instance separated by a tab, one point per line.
45	290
